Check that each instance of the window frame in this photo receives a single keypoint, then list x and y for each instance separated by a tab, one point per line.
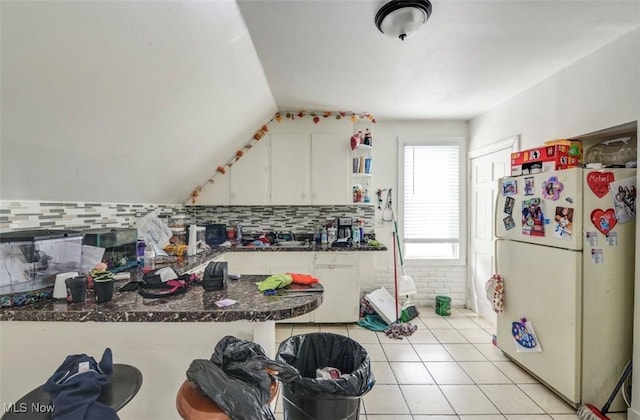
428	140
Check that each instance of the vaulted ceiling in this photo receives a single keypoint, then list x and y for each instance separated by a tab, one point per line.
469	57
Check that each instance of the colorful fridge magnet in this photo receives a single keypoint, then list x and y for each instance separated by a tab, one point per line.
529	186
603	220
599	182
623	193
525	336
563	223
508	205
509	187
551	188
509	223
533	217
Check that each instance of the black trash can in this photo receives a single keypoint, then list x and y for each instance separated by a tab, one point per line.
310	398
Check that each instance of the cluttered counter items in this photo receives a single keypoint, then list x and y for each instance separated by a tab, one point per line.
195	305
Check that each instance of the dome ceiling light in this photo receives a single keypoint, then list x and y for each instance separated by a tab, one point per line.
402	18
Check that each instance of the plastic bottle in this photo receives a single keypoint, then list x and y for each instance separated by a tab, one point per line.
367	138
149	258
324	238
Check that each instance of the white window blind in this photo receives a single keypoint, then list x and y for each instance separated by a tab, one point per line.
431	211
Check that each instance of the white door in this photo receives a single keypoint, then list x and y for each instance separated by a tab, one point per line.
485	170
290	169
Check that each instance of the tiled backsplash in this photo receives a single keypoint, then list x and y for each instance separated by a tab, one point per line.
20	215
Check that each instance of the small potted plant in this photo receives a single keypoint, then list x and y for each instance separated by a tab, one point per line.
102	283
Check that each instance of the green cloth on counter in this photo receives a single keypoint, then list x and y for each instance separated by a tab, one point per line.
275	281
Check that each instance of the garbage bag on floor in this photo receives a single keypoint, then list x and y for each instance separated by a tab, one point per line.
236	380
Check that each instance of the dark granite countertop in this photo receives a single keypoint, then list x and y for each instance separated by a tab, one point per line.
196	305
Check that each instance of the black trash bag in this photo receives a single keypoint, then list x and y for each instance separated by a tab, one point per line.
313	351
236	380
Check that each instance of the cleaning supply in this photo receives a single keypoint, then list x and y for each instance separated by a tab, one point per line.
590	412
406	285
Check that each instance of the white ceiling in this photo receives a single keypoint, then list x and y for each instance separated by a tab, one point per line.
470	56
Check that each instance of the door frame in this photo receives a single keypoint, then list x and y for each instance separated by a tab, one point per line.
513	143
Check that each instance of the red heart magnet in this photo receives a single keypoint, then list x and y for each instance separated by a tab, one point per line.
599	182
603	220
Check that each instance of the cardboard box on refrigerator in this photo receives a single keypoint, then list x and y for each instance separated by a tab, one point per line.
574	150
539	159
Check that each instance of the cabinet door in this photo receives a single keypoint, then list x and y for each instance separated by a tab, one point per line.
216	193
330	160
248	176
290	169
247	263
341	294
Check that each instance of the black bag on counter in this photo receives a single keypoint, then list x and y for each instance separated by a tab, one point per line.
162	282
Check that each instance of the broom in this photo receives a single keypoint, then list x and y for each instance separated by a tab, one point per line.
406	285
590	412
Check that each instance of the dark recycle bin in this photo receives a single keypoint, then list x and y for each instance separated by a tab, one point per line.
310	398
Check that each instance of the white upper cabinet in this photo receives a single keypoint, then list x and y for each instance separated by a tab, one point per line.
248	176
330	169
216	193
290	169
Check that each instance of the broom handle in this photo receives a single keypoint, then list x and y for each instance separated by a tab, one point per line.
395	276
395	225
625	375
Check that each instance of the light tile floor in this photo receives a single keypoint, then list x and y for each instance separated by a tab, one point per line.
447	370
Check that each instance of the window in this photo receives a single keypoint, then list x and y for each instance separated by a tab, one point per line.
432	186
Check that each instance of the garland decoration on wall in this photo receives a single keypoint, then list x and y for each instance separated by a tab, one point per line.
260	133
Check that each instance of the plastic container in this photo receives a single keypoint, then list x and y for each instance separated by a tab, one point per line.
149	258
443	305
308	397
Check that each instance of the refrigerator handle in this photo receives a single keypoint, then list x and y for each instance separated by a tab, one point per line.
495	216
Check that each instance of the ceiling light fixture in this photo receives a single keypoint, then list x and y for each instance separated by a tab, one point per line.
401	18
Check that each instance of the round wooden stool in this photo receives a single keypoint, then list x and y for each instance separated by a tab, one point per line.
193	404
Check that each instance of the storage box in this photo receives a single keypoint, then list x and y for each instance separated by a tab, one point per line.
31	259
120	246
540	159
574	150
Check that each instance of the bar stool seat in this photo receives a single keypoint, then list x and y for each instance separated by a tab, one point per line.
124	384
193	404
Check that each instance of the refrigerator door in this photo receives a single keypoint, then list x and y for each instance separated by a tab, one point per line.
608	284
543	285
543	208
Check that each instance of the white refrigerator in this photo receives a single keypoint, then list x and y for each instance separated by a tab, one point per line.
566	253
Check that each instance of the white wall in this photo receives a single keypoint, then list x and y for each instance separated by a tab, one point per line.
597	92
124	101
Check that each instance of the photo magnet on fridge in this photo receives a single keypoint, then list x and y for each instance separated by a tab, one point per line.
508	205
509	223
529	186
623	193
533	217
603	220
563	223
551	188
509	187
